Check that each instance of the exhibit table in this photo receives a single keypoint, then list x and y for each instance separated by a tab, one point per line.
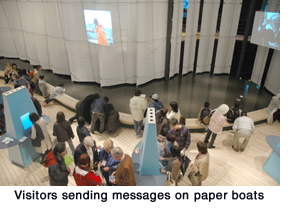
272	164
145	180
2	90
21	153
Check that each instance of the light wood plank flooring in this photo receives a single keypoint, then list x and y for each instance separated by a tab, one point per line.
227	167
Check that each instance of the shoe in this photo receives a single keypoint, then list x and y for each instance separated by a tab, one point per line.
206	142
235	149
212	147
242	150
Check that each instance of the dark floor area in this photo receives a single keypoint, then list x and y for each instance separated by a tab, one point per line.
189	91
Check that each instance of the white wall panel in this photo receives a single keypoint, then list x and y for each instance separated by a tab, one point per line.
227	36
272	82
176	37
190	36
207	35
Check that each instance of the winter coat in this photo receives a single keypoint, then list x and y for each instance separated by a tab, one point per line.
112	121
85	107
56	92
174	166
63	131
138	106
183	137
157	105
110	161
57	170
86	178
216	123
81	149
46	143
201	165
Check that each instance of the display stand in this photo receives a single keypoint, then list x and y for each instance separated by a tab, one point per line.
272	164
17	102
145	155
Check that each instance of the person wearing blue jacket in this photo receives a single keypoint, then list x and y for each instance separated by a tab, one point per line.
155	103
107	163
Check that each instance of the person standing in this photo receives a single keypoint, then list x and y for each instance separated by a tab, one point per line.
125	171
155	103
83	174
99	109
62	130
244	128
2	120
182	134
57	170
200	167
138	106
82	131
88	147
35	78
274	109
216	124
39	131
107	163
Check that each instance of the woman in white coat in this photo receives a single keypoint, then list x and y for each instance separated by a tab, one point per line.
274	109
46	143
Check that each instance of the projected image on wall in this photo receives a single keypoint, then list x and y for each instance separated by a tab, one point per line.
266	30
99	27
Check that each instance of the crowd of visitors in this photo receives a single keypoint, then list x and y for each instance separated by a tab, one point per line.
116	168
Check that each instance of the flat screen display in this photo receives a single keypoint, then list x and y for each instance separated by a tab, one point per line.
99	27
26	121
266	30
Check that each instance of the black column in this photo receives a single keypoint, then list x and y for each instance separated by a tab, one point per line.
168	39
250	20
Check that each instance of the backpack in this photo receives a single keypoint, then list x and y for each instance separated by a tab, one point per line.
233	114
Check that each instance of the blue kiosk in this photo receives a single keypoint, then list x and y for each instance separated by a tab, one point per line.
145	155
18	105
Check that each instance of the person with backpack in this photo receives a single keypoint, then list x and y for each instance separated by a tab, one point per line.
57	170
203	113
234	113
39	135
216	124
162	124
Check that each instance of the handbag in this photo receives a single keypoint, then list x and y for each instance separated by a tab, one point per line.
184	164
207	118
182	120
194	179
169	181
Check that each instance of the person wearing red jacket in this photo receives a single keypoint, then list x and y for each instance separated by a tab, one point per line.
83	175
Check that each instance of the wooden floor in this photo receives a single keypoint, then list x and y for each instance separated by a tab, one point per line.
227	167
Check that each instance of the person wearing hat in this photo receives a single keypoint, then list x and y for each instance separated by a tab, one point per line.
274	109
155	103
216	124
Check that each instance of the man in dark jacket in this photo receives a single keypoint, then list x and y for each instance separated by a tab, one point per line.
99	109
57	170
83	108
88	147
182	134
155	103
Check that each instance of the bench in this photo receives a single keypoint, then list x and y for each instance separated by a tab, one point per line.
258	116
